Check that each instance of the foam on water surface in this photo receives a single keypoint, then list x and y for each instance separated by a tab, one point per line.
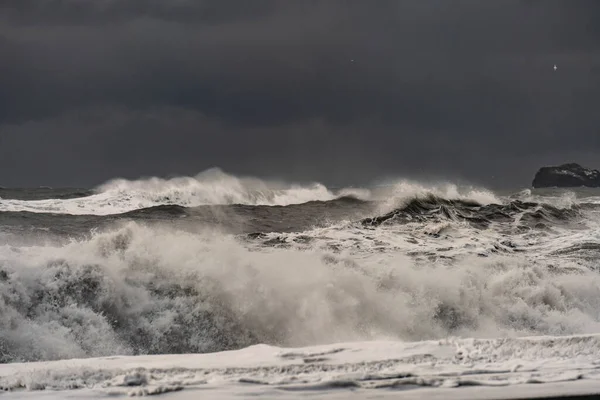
326	370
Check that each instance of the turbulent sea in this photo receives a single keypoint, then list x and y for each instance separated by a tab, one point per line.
216	262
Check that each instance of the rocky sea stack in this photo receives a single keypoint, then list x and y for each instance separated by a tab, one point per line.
566	175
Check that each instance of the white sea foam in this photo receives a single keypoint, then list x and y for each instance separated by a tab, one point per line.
432	369
128	290
216	187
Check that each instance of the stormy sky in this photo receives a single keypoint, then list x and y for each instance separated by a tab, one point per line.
342	92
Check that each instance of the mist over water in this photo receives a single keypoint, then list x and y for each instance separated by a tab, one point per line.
217	262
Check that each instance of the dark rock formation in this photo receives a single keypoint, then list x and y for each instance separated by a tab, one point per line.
566	175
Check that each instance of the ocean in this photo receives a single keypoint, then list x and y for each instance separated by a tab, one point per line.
480	288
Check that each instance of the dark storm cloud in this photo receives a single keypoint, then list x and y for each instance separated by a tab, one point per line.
83	12
326	90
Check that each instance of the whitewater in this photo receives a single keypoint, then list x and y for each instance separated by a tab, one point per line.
225	286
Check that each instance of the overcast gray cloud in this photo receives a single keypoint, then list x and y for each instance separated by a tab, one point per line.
336	91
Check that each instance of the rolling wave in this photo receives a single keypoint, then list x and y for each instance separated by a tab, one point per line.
434	208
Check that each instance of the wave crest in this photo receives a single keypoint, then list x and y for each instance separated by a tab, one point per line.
216	187
212	187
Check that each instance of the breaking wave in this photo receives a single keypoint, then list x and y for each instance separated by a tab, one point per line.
141	290
214	187
210	187
431	208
